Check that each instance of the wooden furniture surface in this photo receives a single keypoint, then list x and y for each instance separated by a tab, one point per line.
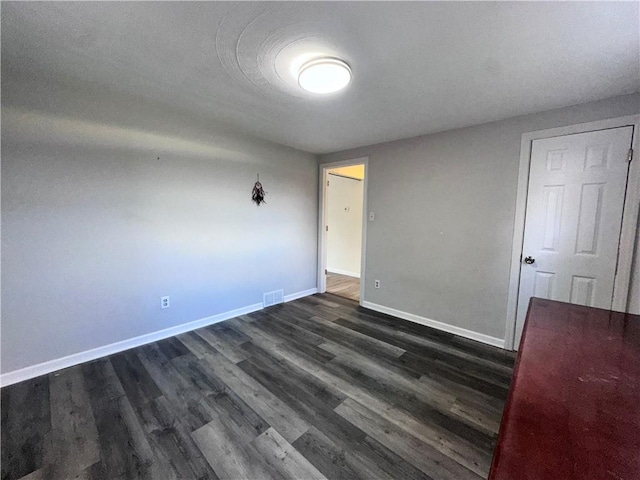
573	410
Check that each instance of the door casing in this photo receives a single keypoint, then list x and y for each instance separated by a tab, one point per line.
629	216
322	234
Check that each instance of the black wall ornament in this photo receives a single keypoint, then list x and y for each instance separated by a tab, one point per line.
258	193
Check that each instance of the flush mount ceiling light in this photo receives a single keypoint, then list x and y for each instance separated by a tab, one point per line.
324	75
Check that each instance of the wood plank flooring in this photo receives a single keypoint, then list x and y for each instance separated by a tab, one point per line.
312	389
343	286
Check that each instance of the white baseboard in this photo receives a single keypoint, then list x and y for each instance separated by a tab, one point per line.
462	332
304	293
343	272
33	371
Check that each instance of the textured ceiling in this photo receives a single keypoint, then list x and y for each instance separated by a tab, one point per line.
419	67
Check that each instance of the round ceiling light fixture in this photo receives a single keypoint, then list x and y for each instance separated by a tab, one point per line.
324	75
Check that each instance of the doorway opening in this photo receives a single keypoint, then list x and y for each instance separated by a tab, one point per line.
342	228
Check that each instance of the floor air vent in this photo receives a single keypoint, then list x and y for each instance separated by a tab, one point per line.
273	298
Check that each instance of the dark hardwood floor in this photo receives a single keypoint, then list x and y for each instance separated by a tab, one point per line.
315	388
343	286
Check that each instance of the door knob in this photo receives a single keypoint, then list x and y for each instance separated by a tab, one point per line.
529	260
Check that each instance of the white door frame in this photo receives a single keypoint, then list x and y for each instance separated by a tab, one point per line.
322	233
629	216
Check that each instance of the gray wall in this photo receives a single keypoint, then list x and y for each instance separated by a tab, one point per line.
95	228
444	215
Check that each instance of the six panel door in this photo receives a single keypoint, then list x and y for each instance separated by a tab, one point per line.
575	200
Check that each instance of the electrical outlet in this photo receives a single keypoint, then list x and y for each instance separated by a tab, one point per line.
165	302
376	283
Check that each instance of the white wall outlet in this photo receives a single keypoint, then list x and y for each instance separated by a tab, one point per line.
372	216
376	283
165	302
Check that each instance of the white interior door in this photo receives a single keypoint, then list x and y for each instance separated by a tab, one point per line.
575	201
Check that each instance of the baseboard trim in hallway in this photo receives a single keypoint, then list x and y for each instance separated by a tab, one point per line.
33	371
343	272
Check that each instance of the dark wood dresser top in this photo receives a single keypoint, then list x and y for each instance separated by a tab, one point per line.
573	410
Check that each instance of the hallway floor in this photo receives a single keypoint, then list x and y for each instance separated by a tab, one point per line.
344	286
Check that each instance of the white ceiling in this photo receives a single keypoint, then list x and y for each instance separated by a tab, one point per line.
419	67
